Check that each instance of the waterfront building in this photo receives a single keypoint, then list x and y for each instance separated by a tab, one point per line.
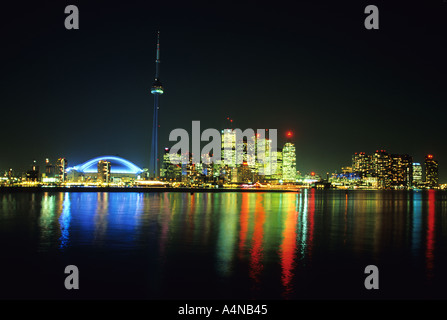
61	169
401	171
362	164
33	174
381	162
417	174
171	168
431	171
278	173
104	170
289	162
50	170
229	147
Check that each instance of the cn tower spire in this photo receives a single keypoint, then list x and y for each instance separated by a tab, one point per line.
157	61
156	90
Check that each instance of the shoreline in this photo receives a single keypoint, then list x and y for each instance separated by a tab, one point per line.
36	189
137	189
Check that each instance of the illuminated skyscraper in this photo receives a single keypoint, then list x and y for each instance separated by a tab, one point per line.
61	169
49	168
289	162
381	162
278	174
431	171
229	147
401	171
362	164
156	90
171	170
417	173
104	169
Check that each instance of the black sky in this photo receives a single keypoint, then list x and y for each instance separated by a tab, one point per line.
310	67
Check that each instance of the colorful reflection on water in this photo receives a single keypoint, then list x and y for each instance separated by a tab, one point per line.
274	245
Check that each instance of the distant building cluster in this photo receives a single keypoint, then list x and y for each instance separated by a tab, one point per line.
50	173
383	170
228	171
378	171
109	170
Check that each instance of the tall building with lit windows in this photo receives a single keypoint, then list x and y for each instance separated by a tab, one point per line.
278	172
431	171
401	171
49	168
289	162
381	162
61	169
171	168
104	170
229	147
417	174
362	164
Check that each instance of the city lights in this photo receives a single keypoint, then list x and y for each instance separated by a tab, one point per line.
378	171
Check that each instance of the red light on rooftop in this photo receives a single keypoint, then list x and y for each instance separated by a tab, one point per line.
289	134
312	173
430	156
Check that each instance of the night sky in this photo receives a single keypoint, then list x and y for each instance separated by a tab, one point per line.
310	67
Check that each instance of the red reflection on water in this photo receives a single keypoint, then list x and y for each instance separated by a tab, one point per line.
430	232
288	246
258	235
243	222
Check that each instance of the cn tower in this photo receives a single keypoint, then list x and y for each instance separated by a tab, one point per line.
156	90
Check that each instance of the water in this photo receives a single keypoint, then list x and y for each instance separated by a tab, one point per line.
308	245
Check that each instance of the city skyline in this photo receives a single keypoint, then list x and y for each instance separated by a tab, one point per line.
348	99
246	163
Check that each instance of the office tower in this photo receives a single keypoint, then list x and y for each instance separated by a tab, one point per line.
165	163
171	168
156	90
289	162
104	169
229	147
33	174
417	174
401	171
431	171
381	162
251	153
362	164
278	174
61	169
50	169
269	165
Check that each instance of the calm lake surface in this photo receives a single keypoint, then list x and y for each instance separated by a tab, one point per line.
308	245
